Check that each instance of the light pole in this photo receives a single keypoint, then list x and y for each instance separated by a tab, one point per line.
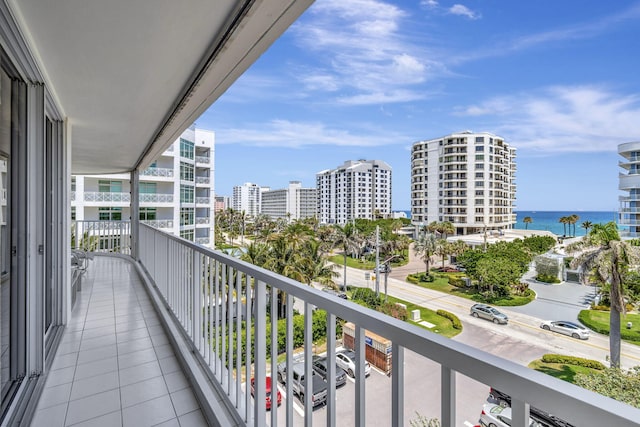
377	269
386	274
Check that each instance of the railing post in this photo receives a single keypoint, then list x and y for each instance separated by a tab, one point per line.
519	413
261	357
397	385
360	389
135	216
448	396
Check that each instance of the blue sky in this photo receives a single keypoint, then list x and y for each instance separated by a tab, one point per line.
364	79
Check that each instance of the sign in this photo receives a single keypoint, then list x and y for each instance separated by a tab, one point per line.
368	341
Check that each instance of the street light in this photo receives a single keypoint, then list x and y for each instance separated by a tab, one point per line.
386	274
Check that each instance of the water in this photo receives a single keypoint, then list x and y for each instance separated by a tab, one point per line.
548	220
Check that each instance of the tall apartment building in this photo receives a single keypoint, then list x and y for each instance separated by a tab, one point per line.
247	198
357	189
465	178
293	202
176	191
629	182
222	203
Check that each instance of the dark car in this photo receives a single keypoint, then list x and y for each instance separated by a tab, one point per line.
320	367
339	294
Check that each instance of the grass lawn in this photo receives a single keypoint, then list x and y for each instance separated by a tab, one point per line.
443	326
598	320
560	370
441	284
363	265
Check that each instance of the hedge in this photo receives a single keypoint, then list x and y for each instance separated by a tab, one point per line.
454	319
572	360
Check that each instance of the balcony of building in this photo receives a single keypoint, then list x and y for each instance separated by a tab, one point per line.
145	345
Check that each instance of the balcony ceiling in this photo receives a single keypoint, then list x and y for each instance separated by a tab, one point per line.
131	75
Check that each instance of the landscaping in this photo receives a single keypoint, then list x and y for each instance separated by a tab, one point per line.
566	367
598	321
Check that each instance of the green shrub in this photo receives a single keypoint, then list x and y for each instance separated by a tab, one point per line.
572	360
547	278
456	281
454	319
394	310
420	277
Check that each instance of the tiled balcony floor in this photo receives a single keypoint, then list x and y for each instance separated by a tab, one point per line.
115	366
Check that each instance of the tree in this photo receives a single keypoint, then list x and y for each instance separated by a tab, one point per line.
564	221
586	225
602	256
346	238
425	247
443	249
572	219
497	272
527	220
621	385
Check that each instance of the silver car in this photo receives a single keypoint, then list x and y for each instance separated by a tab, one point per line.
346	359
487	312
567	328
499	416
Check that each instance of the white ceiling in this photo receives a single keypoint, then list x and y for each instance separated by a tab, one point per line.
131	75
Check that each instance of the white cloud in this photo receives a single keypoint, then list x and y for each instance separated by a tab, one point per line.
285	133
563	118
358	47
429	3
462	10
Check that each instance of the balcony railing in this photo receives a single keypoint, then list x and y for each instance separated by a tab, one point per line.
203	159
158	223
106	196
203	180
155	198
203	200
222	305
101	236
203	220
202	240
161	172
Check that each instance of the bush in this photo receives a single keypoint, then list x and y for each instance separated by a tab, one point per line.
547	278
394	310
420	277
454	319
456	281
521	289
572	360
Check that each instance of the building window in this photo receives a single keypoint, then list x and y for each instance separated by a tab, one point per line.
148	188
186	194
186	216
186	149
73	213
108	186
186	171
110	214
187	234
73	183
147	214
479	148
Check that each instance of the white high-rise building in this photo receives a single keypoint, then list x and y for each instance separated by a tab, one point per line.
293	202
247	198
629	182
357	189
176	191
465	178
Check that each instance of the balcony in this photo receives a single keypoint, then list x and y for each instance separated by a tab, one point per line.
158	172
203	200
158	223
203	180
127	368
156	198
105	196
203	159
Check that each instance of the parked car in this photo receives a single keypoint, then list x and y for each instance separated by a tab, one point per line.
319	386
490	313
268	392
565	327
339	294
320	367
346	359
544	418
382	268
500	416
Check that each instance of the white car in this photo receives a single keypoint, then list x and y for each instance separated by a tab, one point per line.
499	416
565	327
346	359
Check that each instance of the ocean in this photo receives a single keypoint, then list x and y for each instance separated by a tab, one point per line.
548	220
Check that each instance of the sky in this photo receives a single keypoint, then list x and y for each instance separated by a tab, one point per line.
365	79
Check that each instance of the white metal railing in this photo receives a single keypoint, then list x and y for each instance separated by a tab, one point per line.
155	198
159	223
202	240
212	295
101	236
203	220
203	180
203	200
203	159
106	196
162	172
73	196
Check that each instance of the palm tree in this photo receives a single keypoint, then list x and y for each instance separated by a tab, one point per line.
564	221
443	249
573	218
346	238
425	247
586	225
604	257
447	228
527	220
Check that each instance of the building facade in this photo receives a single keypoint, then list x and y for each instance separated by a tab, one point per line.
357	189
175	191
629	183
293	202
247	198
465	178
222	203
